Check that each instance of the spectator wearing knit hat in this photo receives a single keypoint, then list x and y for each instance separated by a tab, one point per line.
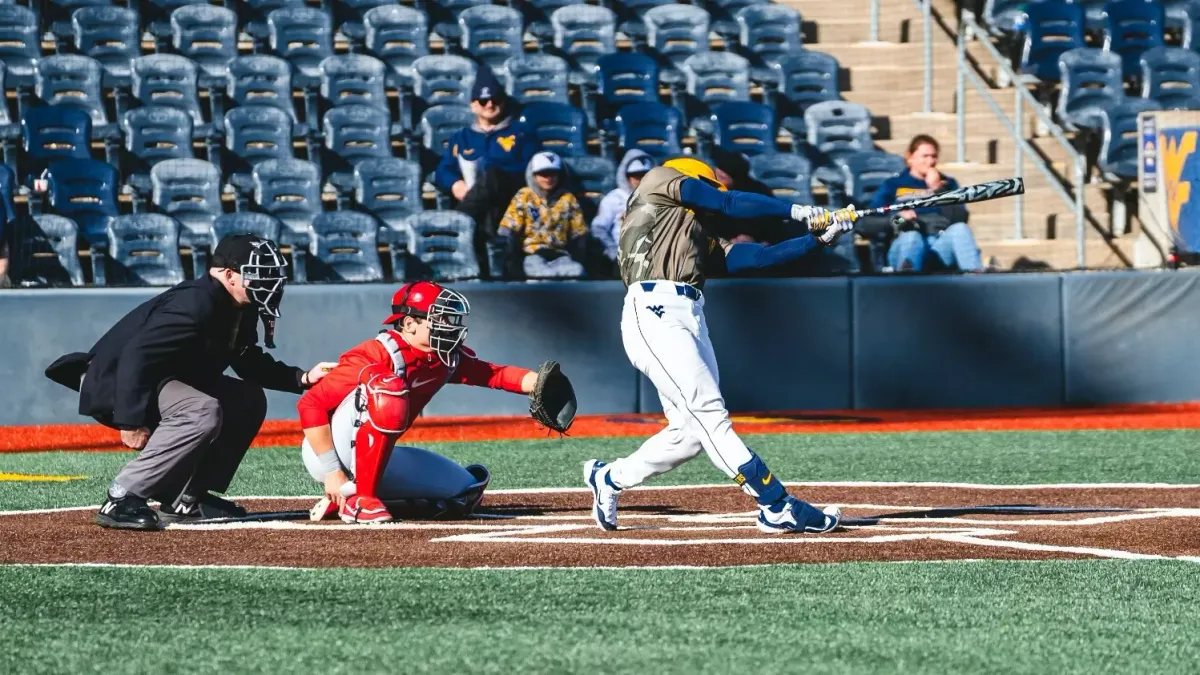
545	224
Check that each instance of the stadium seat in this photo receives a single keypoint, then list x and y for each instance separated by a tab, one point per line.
652	127
350	16
354	133
1091	81
789	176
767	33
55	16
50	133
864	172
85	191
1052	28
714	78
1188	23
261	80
745	127
45	252
724	13
1002	17
1093	13
582	35
9	130
440	122
632	17
254	134
109	35
537	78
559	127
1131	27
74	81
245	222
398	36
537	15
252	15
675	32
492	34
390	189
153	134
156	16
443	16
594	177
623	79
442	246
805	78
20	43
1118	161
188	190
206	34
343	247
8	183
354	79
169	80
438	80
1170	75
290	190
143	250
304	37
837	129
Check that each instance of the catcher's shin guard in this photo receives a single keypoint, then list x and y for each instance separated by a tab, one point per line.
757	481
372	449
385	418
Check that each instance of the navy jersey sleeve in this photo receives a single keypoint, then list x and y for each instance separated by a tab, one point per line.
698	196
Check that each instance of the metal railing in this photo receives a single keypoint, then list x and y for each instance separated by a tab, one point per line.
926	7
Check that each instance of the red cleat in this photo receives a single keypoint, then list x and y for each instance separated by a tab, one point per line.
360	509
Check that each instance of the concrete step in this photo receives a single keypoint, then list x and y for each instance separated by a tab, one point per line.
1030	254
889	10
853	55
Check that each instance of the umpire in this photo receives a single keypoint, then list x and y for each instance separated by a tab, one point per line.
158	377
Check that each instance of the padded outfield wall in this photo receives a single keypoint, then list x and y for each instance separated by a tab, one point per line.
790	344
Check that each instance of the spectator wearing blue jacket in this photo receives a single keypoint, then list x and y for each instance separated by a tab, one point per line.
937	235
483	165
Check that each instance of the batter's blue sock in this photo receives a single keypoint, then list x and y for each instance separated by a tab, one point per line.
757	480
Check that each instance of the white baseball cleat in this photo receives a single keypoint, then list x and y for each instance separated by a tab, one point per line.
604	494
794	515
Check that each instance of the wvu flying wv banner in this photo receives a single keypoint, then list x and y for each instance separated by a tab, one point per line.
1169	175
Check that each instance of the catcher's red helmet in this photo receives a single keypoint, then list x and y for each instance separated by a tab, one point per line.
445	308
413	299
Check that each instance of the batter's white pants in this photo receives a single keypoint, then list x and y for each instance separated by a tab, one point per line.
666	338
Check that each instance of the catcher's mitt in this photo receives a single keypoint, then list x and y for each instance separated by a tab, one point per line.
552	401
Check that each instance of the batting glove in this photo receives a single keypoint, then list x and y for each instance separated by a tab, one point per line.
841	222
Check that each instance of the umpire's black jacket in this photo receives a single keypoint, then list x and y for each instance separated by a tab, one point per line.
191	333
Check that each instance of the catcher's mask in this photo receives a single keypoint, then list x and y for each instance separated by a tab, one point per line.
445	308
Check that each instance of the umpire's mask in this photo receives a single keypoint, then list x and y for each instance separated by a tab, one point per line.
263	272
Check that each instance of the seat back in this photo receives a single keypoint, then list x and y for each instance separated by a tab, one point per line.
1118	159
390	189
50	133
357	132
583	34
167	80
440	79
1170	74
45	252
8	180
84	190
1091	81
788	176
492	34
1003	16
109	35
676	32
443	15
595	177
651	127
245	222
559	127
1052	29
627	78
258	133
717	77
865	172
206	34
71	80
398	36
440	122
354	79
20	42
745	127
442	245
350	16
5	118
188	190
157	133
143	250
1130	28
290	190
261	80
537	78
807	77
770	32
838	128
539	11
303	36
343	247
253	15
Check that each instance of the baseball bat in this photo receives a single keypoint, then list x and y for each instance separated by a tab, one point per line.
980	192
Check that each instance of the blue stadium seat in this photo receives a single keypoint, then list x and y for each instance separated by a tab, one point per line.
350	17
805	78
1003	17
261	80
837	129
1091	81
56	16
254	134
537	15
169	80
440	122
109	35
1052	28
595	177
74	81
1131	27
245	222
143	250
440	80
206	34
724	16
865	172
188	190
354	79
45	252
675	32
714	78
492	34
51	133
156	15
252	14
1170	75
20	43
537	78
398	36
9	130
8	182
390	189
154	134
632	17
745	127
623	79
354	133
559	127
1093	13
443	16
290	190
789	176
1118	161
304	37
767	34
343	247
652	127
582	35
85	191
442	247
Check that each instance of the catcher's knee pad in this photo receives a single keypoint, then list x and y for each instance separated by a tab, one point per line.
418	483
386	402
758	481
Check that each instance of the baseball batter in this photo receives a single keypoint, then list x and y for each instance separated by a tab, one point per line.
664	242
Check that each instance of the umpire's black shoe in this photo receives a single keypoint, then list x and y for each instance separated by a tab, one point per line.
128	513
206	506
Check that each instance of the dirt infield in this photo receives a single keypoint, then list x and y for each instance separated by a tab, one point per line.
700	526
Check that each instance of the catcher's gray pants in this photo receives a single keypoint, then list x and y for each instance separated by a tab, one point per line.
200	440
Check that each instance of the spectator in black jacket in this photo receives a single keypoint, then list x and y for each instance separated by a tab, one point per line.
158	377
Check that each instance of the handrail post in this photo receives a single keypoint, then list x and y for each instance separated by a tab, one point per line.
875	20
960	93
1019	142
926	11
1080	249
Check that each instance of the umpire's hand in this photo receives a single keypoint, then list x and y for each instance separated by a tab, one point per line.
135	438
317	372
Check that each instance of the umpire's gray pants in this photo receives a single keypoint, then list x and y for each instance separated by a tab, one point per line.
199	442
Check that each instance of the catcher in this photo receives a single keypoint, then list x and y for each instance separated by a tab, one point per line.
353	417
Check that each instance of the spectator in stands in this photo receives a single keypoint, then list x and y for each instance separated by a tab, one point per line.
5	282
931	236
484	164
544	223
606	226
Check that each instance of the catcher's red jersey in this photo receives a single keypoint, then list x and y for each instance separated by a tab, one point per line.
423	373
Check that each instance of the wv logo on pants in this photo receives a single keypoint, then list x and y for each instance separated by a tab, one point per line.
657	309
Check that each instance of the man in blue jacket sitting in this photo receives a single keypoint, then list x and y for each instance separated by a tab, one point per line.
483	165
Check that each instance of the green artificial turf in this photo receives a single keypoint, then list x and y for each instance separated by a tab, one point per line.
1044	617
